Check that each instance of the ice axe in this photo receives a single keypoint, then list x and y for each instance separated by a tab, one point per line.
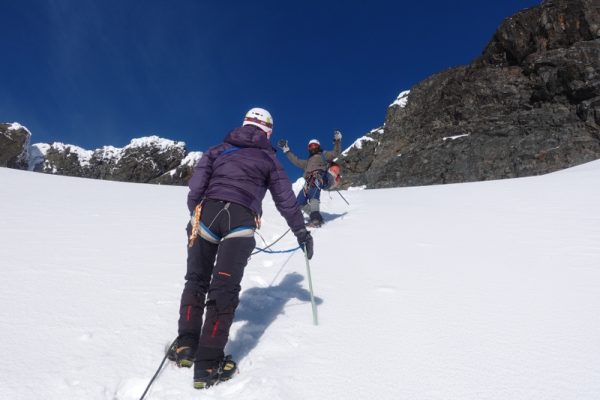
312	296
343	198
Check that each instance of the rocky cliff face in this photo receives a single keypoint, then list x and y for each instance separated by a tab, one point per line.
529	105
145	160
14	145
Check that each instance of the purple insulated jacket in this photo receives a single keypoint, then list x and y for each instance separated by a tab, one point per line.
243	176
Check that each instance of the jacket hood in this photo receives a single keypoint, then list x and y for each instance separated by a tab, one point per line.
248	136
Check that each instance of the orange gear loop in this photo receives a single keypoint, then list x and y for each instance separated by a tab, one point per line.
257	221
196	225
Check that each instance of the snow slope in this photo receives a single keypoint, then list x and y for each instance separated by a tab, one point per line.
471	291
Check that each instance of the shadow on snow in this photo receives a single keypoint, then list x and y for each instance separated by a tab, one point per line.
259	307
327	217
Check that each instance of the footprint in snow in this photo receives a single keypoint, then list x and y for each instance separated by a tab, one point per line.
386	289
130	389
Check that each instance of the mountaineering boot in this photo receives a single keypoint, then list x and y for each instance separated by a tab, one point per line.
183	352
316	220
205	378
314	224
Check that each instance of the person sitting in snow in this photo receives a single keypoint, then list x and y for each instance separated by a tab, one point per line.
315	174
226	192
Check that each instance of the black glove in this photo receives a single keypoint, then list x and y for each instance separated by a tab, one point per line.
283	145
305	241
337	135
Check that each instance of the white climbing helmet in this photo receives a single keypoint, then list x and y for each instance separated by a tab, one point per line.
261	118
314	141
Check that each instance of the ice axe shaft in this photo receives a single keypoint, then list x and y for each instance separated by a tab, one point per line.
312	296
343	198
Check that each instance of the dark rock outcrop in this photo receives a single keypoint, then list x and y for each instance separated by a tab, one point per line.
14	144
529	105
182	173
60	159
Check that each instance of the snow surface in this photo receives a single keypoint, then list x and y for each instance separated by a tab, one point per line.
109	153
358	143
37	154
401	100
154	141
455	137
15	126
469	291
192	158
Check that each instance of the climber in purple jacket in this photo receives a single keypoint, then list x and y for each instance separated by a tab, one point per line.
225	199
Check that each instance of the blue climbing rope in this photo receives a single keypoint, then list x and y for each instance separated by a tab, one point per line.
266	249
275	251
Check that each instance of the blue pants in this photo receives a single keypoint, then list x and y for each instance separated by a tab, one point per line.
309	197
313	192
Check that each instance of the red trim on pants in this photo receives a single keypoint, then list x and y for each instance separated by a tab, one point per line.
215	328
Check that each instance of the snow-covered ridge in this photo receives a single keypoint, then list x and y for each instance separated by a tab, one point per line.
42	149
109	152
149	159
358	143
105	153
154	141
402	99
15	126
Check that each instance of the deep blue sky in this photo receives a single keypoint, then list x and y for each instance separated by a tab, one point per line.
93	73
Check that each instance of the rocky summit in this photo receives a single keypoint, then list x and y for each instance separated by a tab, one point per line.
530	104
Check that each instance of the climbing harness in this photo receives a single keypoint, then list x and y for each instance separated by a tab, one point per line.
314	179
204	231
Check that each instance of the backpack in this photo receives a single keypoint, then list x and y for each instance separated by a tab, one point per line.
334	174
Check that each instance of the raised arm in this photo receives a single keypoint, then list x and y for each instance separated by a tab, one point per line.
283	145
337	147
295	160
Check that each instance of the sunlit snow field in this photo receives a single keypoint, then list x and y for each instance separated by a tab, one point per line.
471	291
